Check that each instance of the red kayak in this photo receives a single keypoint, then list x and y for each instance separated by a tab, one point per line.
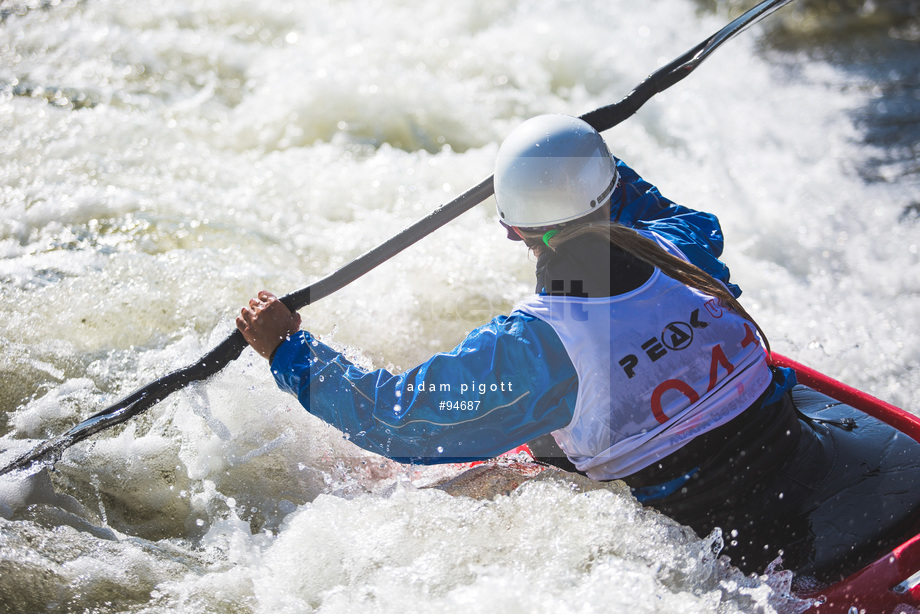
894	579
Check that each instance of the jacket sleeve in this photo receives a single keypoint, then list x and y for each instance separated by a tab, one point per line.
638	204
505	384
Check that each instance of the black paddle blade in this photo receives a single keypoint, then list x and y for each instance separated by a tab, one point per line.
135	403
607	117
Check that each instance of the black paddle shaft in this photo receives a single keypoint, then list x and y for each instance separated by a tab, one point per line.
230	348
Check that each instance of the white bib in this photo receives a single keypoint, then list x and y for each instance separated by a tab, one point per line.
656	367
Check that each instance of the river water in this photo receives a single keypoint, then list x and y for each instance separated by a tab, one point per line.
160	162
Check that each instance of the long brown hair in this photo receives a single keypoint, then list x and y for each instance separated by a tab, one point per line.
648	251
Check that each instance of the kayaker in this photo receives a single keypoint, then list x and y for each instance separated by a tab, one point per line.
633	353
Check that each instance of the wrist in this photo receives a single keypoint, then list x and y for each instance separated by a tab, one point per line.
288	349
271	356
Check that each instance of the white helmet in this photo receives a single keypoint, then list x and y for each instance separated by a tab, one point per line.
552	169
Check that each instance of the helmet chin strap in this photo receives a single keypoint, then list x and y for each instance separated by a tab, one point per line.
511	232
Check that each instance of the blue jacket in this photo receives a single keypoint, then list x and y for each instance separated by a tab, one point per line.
507	383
